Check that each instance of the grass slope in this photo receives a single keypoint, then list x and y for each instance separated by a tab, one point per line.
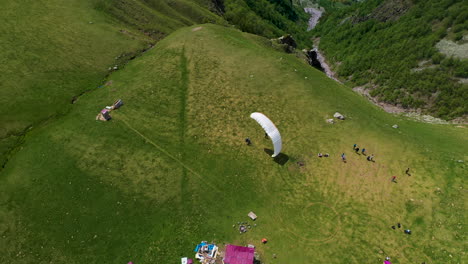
55	50
171	168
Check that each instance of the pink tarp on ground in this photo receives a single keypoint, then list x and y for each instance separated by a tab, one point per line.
238	255
387	262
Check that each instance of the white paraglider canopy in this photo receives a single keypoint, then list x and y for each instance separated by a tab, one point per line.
271	131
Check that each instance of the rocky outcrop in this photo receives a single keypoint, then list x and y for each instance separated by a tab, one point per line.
339	116
312	58
288	42
317	61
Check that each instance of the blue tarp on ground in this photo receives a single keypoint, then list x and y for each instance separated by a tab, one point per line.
199	246
210	246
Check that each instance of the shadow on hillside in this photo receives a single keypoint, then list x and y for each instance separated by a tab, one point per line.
281	159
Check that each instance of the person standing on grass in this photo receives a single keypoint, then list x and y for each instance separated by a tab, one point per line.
355	146
394	179
247	140
407	172
363	151
343	157
357	150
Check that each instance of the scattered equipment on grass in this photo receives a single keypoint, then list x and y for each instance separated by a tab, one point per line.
104	115
271	131
186	261
206	253
242	229
117	104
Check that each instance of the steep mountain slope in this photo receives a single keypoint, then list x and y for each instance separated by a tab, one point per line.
390	48
53	51
268	18
171	169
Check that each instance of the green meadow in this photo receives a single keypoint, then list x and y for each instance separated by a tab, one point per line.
53	51
171	167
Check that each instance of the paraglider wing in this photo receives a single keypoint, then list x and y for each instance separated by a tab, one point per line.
271	131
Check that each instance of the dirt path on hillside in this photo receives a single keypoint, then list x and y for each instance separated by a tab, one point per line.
412	113
389	108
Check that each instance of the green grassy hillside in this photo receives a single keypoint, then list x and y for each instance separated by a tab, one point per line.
390	48
53	51
171	168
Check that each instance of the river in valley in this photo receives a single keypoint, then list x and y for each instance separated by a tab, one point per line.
315	14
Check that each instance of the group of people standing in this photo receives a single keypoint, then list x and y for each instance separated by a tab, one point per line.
363	152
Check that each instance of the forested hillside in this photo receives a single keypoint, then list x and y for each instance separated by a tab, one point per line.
269	18
390	48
